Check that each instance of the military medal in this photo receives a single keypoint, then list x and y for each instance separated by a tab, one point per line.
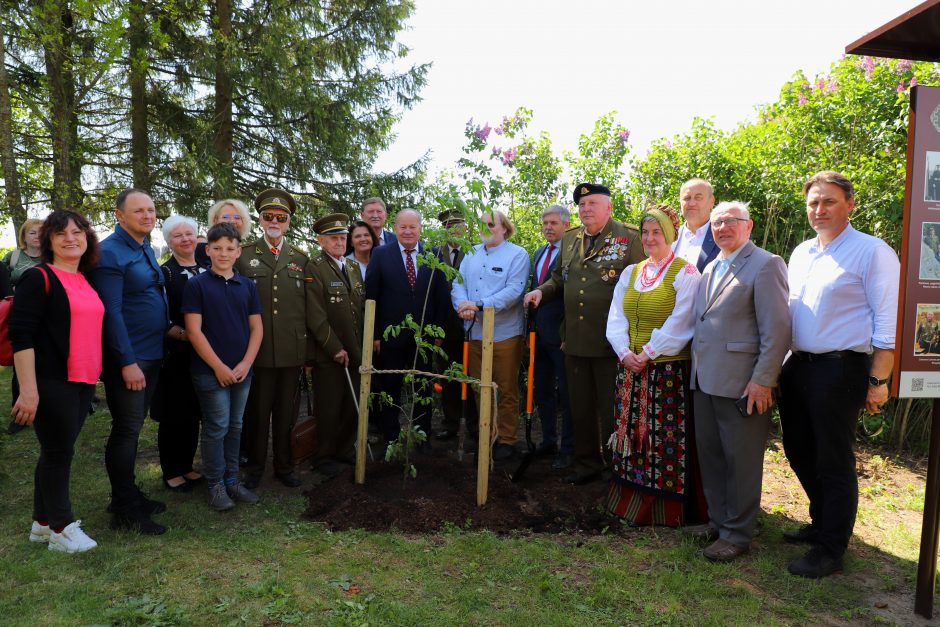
254	263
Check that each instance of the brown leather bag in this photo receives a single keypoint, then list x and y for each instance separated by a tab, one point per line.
303	435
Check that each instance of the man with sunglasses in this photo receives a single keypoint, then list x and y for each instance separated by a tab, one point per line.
284	276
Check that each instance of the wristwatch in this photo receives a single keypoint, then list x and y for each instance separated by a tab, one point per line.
479	305
874	381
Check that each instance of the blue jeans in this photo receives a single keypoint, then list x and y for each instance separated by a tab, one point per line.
222	411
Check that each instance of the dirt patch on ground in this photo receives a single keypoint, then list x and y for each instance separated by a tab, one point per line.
444	493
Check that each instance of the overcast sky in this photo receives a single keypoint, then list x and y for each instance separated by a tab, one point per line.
659	64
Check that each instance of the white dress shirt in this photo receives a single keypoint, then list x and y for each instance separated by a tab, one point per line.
688	244
676	331
844	296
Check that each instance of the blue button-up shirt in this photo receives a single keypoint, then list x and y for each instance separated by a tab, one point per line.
130	284
496	276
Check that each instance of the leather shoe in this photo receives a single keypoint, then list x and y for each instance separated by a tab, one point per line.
583	478
251	481
289	479
561	461
806	533
817	563
705	532
502	452
724	551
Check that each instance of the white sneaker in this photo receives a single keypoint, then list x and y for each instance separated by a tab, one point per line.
39	533
71	540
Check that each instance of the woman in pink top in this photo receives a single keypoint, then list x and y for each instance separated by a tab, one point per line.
55	329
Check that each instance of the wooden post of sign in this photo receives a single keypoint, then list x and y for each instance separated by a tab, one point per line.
927	563
486	407
365	387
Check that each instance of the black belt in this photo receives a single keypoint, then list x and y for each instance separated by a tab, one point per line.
804	356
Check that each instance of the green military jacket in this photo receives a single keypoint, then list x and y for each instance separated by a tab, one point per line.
285	286
586	281
337	311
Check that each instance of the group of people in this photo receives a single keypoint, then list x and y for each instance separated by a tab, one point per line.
661	350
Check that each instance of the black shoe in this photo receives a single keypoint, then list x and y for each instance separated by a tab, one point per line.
806	533
15	427
135	520
817	563
186	486
147	506
251	481
562	461
289	479
502	452
582	479
546	449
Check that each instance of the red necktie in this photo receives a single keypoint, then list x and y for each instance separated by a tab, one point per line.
548	261
275	251
410	268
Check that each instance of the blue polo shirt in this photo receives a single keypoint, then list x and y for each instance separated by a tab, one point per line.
130	283
225	305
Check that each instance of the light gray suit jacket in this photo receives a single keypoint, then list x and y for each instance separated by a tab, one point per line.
742	333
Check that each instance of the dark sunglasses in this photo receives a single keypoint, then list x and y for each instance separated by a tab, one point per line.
271	217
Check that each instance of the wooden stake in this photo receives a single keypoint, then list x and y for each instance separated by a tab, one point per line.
930	531
486	407
365	387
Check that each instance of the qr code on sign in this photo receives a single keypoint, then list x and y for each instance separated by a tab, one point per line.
917	384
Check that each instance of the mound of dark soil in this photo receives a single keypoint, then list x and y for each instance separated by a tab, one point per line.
444	493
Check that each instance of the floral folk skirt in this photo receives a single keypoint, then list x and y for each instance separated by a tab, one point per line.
656	478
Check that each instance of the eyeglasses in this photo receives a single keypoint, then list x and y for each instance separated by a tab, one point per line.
231	216
271	217
490	224
729	221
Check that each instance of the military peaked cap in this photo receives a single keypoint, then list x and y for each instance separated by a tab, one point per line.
275	199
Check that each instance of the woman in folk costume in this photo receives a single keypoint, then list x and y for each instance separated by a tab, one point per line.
656	479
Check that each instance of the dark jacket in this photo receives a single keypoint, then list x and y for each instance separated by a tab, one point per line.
548	316
709	251
42	322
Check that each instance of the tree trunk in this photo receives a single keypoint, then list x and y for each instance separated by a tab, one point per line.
14	200
222	142
57	46
139	62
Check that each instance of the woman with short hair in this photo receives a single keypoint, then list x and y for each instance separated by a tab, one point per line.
56	332
175	404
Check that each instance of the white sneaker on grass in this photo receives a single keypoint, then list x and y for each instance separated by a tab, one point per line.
71	540
39	533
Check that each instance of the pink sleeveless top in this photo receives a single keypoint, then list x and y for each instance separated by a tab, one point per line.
87	314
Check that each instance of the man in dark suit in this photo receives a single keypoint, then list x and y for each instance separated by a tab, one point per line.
399	285
694	241
550	378
742	332
452	255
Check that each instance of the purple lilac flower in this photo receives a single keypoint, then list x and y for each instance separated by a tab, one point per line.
802	99
900	87
509	156
624	136
496	151
913	81
832	86
821	84
904	65
482	133
868	64
498	130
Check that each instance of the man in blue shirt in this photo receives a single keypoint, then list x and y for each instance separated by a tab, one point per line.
130	284
495	275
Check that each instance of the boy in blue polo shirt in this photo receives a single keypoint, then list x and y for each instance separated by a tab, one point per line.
223	320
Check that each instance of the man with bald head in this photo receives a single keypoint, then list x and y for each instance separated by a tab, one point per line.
400	285
695	242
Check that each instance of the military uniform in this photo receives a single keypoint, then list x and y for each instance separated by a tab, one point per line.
337	310
584	276
285	287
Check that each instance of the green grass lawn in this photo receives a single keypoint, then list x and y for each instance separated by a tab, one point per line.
265	565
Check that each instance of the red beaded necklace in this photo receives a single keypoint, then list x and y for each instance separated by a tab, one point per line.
645	281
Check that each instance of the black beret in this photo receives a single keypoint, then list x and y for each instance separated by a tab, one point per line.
586	189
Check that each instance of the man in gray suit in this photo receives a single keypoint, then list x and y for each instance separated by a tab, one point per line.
742	332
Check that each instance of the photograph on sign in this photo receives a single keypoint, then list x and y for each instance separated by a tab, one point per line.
930	252
932	184
928	330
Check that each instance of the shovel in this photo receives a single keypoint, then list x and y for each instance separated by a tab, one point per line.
530	446
462	428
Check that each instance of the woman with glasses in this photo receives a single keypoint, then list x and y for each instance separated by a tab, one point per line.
656	479
175	405
230	211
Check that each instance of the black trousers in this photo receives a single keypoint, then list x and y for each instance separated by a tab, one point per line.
386	418
128	410
176	408
819	406
63	406
270	403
